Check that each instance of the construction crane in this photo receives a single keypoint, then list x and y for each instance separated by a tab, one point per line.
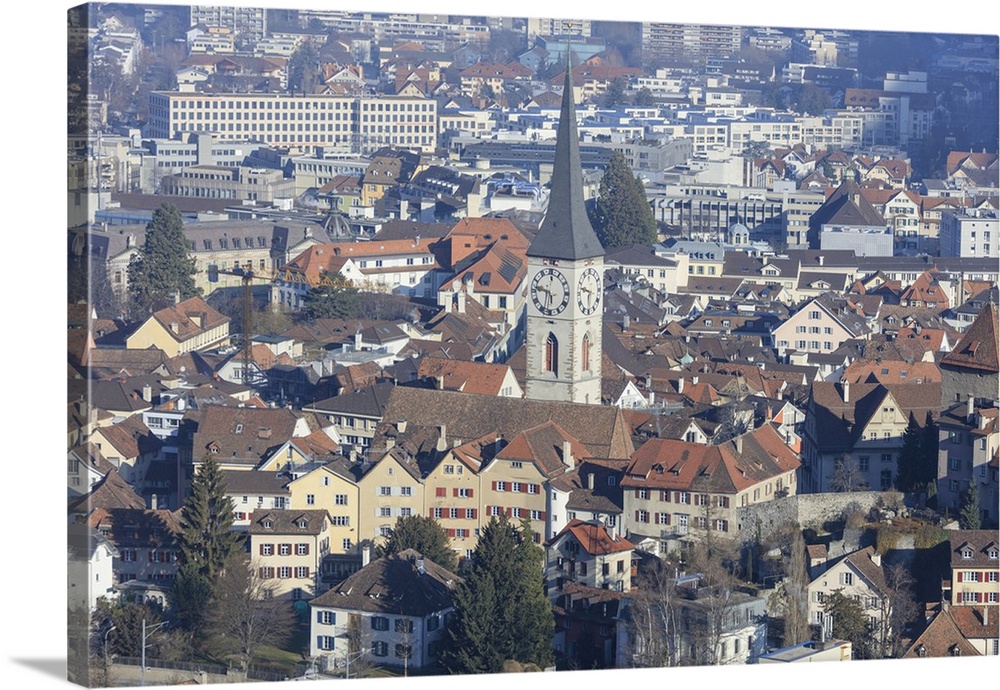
246	274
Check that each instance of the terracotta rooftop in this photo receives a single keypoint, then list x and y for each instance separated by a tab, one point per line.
594	538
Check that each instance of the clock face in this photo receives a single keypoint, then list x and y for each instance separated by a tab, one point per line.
550	291
588	294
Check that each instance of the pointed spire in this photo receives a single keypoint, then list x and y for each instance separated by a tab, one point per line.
566	232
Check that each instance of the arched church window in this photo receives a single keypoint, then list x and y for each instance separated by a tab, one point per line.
552	354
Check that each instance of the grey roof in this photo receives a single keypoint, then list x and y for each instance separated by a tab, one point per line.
369	402
566	232
404	584
254	482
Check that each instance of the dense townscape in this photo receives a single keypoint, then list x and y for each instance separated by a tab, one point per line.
407	345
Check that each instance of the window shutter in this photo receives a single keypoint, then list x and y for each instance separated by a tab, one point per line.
307	572
494	486
470	493
430	512
319	616
441	492
725	525
509	512
541	514
451	533
261	549
637	516
454	492
319	641
263	574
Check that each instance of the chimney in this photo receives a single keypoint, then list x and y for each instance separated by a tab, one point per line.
567	454
461	302
694	380
820	259
970	409
129	241
174	327
680	385
401	426
986	616
442	442
625	322
366	555
390	443
357	341
877	558
153	502
846	385
147	393
590	481
739	444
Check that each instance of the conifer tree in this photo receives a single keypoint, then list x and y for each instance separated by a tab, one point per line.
425	535
163	267
621	213
206	539
501	611
909	458
969	515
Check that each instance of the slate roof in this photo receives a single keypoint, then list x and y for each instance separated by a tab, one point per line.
131	437
109	493
369	401
839	425
468	416
286	521
254	482
604	497
846	206
138	527
979	344
241	434
566	232
978	540
404	584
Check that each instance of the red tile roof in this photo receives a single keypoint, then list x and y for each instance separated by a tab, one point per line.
594	539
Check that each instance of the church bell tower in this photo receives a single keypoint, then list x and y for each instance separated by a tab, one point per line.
565	282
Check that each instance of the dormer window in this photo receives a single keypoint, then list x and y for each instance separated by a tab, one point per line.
239	428
267	524
301	523
992	553
967	553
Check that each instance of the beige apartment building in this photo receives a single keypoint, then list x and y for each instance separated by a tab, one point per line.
820	326
391	489
286	549
333	488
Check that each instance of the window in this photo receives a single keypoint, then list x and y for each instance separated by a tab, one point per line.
285	572
406	491
310	499
302	549
324	642
642	494
404	625
586	352
863	463
385	511
340	499
326	617
641	516
267	549
954	464
552	354
346	544
284	549
380	623
885	479
302	571
385	491
402	651
380	648
847	578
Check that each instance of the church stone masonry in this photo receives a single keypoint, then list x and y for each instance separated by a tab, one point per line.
565	282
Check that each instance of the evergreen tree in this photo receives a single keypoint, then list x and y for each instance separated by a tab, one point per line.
969	514
206	539
334	298
501	611
303	69
622	214
425	535
162	267
190	596
909	458
928	464
850	622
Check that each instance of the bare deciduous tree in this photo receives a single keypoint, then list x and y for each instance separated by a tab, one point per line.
244	615
847	476
652	622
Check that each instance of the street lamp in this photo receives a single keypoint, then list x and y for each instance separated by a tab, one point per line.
107	632
146	631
